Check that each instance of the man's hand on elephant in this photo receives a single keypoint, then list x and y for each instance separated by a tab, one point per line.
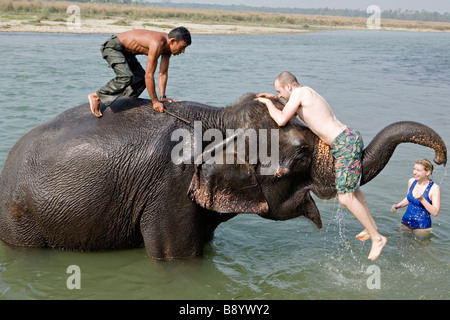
269	96
158	106
169	100
266	95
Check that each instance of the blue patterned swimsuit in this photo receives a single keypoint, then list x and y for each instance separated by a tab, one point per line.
416	216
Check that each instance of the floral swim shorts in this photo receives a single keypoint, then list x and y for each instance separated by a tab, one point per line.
347	151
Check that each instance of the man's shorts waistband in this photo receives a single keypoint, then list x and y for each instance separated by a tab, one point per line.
114	42
343	135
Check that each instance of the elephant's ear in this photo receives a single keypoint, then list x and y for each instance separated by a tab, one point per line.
227	188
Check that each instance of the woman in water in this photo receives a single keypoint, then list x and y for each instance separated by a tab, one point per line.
423	199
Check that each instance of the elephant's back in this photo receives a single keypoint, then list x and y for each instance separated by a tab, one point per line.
77	142
127	121
124	117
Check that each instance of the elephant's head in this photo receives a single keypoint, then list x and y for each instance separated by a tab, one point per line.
279	187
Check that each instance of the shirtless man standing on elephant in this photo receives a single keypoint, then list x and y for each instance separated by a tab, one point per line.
131	80
346	147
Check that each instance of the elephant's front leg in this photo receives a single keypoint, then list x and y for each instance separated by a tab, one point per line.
173	233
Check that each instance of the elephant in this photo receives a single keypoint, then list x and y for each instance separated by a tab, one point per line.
83	183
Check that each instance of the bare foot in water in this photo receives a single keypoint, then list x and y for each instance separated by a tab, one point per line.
377	246
363	235
94	101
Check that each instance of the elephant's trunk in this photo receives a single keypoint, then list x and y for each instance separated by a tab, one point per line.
381	148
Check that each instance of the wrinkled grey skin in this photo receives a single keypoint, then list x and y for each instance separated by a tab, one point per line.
82	183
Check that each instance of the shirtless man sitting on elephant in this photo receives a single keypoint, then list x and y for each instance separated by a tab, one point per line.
346	147
131	80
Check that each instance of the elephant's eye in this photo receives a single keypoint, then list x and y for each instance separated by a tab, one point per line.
301	158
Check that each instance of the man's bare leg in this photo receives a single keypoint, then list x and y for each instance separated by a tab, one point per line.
364	235
355	202
94	101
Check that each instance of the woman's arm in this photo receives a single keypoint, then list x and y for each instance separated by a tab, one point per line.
435	197
401	204
405	201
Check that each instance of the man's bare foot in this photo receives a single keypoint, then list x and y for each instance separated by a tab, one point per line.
94	101
377	246
363	235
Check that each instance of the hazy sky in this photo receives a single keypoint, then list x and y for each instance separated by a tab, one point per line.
429	5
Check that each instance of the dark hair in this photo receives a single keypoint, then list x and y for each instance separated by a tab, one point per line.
181	33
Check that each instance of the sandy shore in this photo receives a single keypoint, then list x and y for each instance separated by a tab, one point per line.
109	26
116	25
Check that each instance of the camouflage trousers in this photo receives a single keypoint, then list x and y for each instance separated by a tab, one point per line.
130	76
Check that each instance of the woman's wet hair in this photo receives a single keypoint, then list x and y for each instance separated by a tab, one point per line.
428	166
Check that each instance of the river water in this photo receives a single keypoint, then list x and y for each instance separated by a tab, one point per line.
370	79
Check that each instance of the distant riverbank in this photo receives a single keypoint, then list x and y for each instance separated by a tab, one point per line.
114	26
74	17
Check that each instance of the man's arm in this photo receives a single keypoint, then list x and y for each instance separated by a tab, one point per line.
270	96
163	74
152	63
283	116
